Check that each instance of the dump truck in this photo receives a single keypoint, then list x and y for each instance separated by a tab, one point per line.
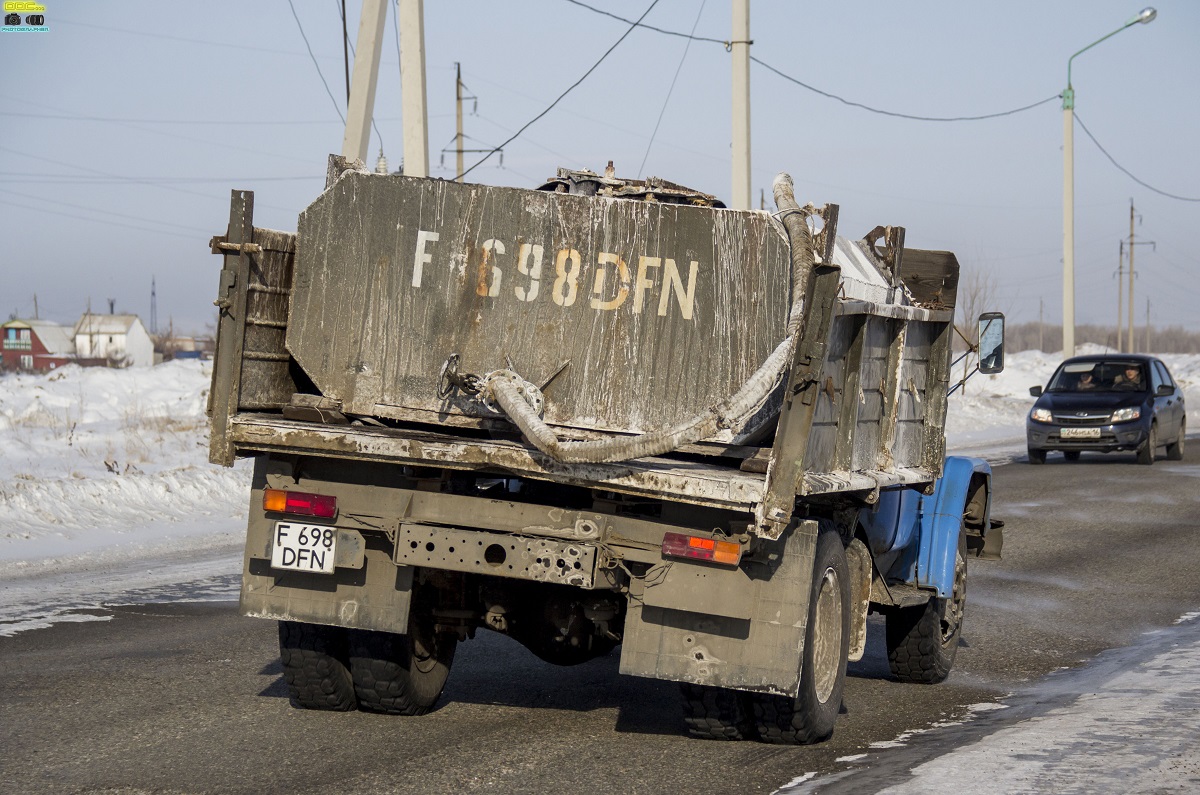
603	417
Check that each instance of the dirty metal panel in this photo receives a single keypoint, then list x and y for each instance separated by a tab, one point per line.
869	433
691	482
374	594
661	310
496	554
913	406
761	653
931	276
266	382
700	588
823	438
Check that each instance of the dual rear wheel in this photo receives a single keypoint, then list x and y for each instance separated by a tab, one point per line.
332	668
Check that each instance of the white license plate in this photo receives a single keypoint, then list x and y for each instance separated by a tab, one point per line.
304	547
1080	433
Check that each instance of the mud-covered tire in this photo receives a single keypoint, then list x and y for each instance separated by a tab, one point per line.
1037	456
716	713
316	666
400	674
1175	450
1145	453
1071	455
923	641
809	718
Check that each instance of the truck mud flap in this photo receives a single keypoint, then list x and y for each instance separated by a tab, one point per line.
760	652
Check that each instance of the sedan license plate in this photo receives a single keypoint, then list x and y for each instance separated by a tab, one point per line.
1080	433
304	547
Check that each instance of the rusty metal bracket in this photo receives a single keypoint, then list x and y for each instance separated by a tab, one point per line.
892	252
220	245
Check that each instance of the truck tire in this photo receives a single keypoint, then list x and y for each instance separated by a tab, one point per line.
1145	453
923	641
716	713
1175	450
809	717
401	674
315	666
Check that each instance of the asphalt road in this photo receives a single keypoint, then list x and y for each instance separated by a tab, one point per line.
188	698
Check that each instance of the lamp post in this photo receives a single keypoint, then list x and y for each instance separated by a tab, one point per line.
1146	15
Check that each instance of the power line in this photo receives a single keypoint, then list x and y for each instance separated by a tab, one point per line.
98	179
663	112
314	60
563	94
97	210
1127	172
691	35
188	122
894	114
816	90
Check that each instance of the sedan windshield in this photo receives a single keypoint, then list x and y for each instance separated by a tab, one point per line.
1100	376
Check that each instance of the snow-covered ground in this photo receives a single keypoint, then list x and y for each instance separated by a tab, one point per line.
107	497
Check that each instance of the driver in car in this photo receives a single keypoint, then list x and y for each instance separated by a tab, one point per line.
1130	379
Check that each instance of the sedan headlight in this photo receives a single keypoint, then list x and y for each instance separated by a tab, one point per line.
1125	415
1041	415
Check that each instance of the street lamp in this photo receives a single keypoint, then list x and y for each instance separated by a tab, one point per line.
1146	15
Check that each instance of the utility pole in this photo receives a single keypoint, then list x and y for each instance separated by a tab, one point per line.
1041	327
740	48
458	138
364	80
35	307
1147	325
153	307
412	87
1131	215
1120	296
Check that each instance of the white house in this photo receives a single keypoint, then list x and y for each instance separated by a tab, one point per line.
121	339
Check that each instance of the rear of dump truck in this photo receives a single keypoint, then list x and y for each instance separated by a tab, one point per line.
602	414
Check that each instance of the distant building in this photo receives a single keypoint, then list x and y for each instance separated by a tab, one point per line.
115	340
35	346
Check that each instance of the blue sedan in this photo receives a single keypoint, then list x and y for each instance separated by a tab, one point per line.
1105	403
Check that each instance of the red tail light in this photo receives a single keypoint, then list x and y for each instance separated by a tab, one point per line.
300	503
677	545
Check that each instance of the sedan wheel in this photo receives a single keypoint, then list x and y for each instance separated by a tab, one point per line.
1037	456
1145	453
1175	451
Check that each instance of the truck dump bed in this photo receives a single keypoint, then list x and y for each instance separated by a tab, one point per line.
359	338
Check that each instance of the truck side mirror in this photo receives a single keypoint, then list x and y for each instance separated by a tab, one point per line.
991	342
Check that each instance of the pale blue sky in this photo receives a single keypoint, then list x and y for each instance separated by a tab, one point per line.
126	125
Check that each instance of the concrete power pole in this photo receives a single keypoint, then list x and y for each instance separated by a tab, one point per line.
1120	297
1132	346
1147	325
740	48
363	81
412	87
458	137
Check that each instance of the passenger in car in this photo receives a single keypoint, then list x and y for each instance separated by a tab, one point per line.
1086	381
